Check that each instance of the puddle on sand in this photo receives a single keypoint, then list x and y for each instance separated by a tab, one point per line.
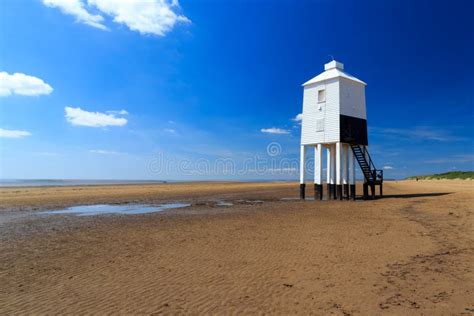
251	202
222	203
130	209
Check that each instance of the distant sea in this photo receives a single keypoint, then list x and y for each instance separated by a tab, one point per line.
59	182
72	182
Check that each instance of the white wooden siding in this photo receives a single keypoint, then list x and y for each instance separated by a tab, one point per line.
327	111
331	121
352	99
345	95
310	115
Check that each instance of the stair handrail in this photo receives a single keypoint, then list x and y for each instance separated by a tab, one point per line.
379	174
371	163
376	173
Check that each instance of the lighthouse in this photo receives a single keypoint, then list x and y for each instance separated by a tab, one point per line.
335	121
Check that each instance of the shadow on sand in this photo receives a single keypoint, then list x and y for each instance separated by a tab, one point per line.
415	195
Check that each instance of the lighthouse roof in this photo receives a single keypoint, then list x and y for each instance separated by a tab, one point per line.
333	69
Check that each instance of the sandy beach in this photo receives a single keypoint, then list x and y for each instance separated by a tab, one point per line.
408	253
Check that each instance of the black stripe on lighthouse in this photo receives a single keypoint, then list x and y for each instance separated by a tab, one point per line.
353	130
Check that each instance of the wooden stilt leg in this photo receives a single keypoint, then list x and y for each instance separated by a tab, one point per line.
353	192
302	191
366	191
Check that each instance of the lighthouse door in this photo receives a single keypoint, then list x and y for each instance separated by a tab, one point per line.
321	109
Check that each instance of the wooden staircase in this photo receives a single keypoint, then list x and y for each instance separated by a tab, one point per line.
372	176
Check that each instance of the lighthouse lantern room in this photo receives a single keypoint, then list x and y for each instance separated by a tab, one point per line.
335	120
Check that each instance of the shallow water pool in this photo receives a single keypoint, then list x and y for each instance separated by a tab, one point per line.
223	203
127	209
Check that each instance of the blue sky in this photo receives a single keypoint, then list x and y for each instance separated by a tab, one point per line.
169	91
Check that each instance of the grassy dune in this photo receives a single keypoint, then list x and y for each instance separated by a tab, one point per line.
464	175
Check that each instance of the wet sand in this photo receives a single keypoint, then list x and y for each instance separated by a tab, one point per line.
409	253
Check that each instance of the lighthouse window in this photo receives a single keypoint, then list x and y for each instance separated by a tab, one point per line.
319	125
321	95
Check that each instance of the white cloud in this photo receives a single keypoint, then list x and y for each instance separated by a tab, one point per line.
147	17
79	117
22	84
8	133
156	17
76	9
298	118
274	130
469	158
120	112
387	167
103	152
418	133
170	130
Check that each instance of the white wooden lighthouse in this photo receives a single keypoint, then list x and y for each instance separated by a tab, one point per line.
334	119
